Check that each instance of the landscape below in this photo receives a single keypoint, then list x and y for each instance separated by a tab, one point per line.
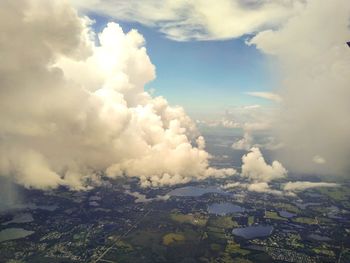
199	222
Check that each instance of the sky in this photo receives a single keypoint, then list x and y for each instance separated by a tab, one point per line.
99	88
205	77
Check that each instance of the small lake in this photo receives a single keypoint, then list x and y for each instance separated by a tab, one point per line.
224	209
47	207
286	214
20	218
31	206
305	205
14	233
319	237
253	231
195	191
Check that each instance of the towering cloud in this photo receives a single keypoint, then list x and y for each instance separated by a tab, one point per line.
315	62
72	110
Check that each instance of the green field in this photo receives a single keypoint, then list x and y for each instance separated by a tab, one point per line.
336	193
287	207
193	219
274	215
305	220
171	238
251	220
223	222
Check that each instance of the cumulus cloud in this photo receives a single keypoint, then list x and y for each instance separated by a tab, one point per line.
301	186
266	95
255	168
141	198
314	60
243	144
72	111
223	122
197	19
260	174
231	185
256	122
250	118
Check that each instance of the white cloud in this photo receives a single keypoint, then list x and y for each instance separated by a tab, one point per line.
300	186
184	20
318	159
259	187
141	198
259	173
314	61
71	110
251	107
255	168
223	122
247	142
243	144
266	95
250	118
231	185
200	142
263	187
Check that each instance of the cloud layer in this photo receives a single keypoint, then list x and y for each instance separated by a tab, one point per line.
315	61
184	20
72	111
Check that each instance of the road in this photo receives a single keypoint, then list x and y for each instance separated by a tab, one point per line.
100	258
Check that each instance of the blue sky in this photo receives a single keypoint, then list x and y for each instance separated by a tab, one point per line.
205	77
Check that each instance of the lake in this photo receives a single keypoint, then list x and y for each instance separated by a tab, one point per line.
224	208
305	205
286	214
195	191
20	218
319	237
253	231
14	233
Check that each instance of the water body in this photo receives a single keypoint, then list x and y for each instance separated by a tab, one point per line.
93	203
31	206
305	205
253	231
20	218
224	208
319	237
286	214
47	207
195	191
94	198
14	233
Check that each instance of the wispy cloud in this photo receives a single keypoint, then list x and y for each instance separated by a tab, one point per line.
266	95
197	19
301	185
